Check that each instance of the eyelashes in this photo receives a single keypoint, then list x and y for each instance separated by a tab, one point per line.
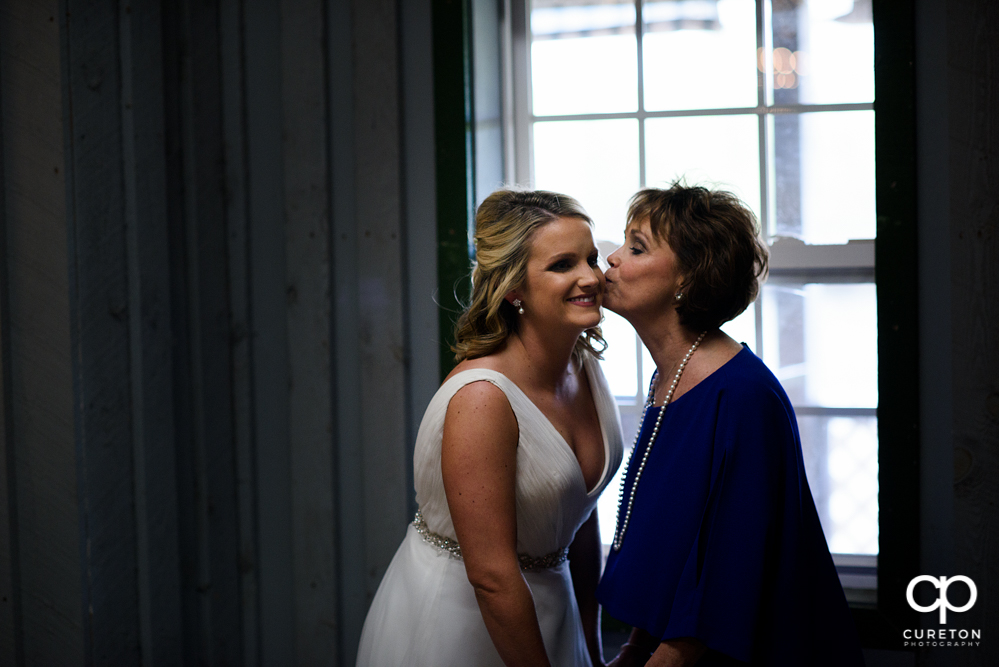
563	265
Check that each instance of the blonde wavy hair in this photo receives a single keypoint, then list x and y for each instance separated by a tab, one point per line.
504	225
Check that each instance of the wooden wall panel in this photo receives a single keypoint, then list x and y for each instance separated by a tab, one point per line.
210	542
150	353
420	213
380	262
308	282
39	443
351	550
206	343
99	323
10	590
232	50
973	60
268	289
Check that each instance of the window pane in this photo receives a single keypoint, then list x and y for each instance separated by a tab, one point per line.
841	461
824	176
743	328
583	57
699	55
823	52
820	340
595	161
715	151
607	504
620	363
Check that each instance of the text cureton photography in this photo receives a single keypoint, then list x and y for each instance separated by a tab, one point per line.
919	637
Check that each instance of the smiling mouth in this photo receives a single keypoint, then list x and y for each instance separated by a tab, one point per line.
585	300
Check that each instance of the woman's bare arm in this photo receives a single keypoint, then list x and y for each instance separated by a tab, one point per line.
683	652
479	466
644	649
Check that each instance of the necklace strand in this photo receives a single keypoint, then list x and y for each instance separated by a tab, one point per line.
623	518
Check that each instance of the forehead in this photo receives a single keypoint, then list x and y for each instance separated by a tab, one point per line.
641	226
560	236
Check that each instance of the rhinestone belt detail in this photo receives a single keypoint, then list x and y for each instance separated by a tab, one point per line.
446	544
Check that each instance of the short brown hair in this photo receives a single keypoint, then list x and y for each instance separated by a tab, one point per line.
715	238
504	227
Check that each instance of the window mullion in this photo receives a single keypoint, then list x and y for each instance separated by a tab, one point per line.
639	36
520	40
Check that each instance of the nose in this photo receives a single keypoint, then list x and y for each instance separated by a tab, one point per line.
591	278
614	258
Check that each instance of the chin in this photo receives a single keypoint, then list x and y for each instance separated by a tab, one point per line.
595	320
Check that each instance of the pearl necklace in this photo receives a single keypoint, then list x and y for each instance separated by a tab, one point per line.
622	522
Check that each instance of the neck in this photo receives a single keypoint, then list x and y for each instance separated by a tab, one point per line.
546	356
667	340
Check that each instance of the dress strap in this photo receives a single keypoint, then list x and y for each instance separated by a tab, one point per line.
519	401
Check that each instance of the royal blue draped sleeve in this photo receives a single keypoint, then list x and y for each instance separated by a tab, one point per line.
724	543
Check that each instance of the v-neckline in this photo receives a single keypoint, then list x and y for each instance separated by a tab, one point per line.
600	422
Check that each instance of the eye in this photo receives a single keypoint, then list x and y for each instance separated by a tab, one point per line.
560	266
636	249
593	260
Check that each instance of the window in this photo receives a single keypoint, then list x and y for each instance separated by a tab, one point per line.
773	100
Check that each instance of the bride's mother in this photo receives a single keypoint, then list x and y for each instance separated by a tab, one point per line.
718	556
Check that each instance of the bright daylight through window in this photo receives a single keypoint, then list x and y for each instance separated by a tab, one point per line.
772	100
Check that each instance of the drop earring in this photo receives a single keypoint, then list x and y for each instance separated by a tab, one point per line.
519	305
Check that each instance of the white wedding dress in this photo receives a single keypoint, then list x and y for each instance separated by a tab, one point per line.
424	613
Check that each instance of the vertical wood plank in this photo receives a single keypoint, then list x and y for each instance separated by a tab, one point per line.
207	248
151	342
11	646
183	373
351	551
306	222
935	334
41	455
973	61
212	609
237	227
263	66
99	325
896	274
213	484
419	179
380	262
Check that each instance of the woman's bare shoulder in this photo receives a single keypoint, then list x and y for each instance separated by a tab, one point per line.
494	362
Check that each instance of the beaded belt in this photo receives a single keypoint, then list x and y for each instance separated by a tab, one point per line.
527	563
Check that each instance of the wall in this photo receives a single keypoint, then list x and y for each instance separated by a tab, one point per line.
958	202
218	264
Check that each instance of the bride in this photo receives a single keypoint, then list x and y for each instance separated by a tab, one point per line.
500	565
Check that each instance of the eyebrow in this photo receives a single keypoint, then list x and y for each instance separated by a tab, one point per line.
570	254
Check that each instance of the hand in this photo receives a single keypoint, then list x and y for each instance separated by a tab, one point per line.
631	655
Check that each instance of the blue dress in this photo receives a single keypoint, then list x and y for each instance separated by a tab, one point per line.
724	543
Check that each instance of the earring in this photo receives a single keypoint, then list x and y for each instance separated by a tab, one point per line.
679	297
519	305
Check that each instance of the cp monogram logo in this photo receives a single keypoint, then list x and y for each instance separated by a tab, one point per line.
942	602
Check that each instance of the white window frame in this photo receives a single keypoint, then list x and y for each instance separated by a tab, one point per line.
790	259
